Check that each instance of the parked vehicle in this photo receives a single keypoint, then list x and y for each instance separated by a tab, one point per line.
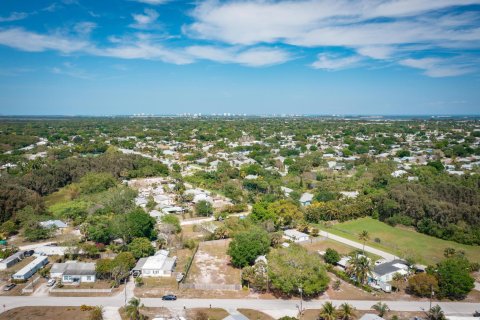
28	253
169	297
51	282
9	287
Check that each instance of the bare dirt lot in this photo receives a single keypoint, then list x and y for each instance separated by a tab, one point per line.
212	265
45	313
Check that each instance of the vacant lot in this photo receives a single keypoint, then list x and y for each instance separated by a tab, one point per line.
401	241
211	313
212	265
254	314
45	313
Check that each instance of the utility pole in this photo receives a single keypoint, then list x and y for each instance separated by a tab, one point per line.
125	292
301	300
431	296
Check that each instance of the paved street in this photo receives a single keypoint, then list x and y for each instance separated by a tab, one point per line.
274	307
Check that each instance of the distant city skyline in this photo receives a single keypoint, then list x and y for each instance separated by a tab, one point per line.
318	57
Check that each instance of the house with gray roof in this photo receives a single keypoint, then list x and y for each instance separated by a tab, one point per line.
12	260
74	272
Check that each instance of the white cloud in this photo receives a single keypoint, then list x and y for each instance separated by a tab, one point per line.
84	28
332	62
254	57
409	25
71	70
153	2
437	67
376	52
14	16
20	39
144	20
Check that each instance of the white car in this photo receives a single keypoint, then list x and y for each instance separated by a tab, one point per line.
51	282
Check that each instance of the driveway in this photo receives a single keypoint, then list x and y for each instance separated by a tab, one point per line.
358	245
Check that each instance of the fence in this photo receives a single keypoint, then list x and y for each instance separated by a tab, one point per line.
29	288
189	264
57	290
200	286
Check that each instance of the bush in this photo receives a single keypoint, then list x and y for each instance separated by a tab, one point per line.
422	284
331	256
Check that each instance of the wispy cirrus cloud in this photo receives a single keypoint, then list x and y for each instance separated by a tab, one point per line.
253	57
332	62
21	39
14	16
153	2
438	68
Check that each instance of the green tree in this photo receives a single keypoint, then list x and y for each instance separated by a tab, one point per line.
381	308
331	256
328	311
141	248
454	279
96	182
172	220
136	223
294	267
204	208
247	246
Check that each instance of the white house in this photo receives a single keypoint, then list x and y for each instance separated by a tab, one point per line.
295	235
74	271
384	272
159	265
53	224
306	199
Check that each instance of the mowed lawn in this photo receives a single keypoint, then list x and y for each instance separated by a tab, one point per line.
403	242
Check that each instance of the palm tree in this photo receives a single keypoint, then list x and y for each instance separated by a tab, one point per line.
346	311
364	237
436	313
360	267
381	308
133	310
328	311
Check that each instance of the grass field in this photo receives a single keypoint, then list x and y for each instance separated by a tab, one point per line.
401	241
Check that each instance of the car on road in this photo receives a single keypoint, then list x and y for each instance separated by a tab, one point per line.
169	297
9	287
51	282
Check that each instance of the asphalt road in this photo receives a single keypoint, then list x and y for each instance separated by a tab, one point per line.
277	307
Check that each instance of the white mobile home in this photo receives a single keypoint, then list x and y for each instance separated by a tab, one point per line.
295	235
11	260
30	269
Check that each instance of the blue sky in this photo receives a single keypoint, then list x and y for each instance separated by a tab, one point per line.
91	57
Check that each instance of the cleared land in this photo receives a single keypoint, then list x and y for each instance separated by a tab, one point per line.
400	240
211	313
212	265
45	313
255	314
